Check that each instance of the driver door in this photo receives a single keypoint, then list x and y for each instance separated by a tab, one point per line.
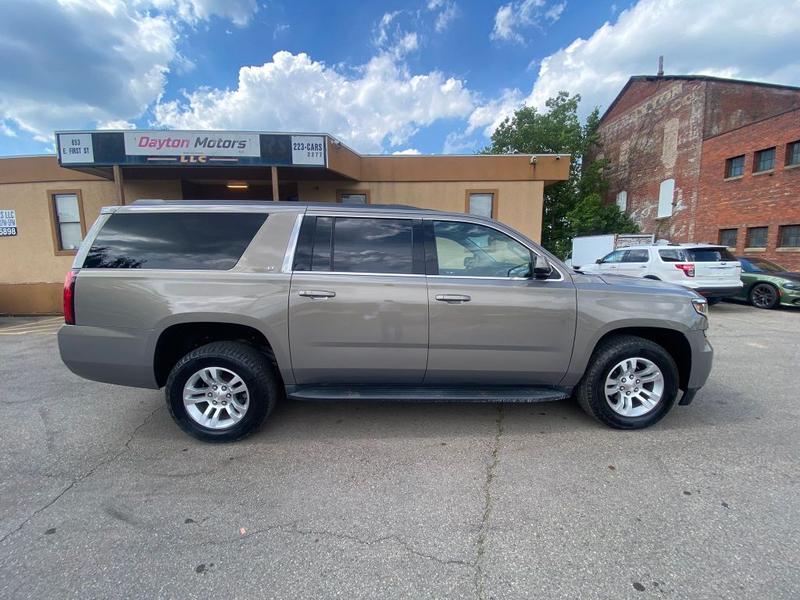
490	322
611	263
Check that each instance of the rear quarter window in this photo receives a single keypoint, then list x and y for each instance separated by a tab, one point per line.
207	241
709	255
672	255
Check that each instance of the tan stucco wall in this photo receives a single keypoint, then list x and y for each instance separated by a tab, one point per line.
519	203
163	189
30	256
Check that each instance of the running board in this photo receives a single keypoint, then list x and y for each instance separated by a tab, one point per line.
426	394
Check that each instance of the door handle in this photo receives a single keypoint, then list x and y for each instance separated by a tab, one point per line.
316	294
453	298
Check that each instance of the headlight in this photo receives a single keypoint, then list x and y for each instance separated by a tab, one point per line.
791	286
701	306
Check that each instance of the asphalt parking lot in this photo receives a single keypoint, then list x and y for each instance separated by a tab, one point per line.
101	496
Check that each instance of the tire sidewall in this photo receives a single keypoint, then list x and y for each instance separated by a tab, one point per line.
188	367
609	361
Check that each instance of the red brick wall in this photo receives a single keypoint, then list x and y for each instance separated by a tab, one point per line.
732	105
658	138
754	200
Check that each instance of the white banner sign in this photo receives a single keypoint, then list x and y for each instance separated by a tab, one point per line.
308	150
201	143
75	148
8	223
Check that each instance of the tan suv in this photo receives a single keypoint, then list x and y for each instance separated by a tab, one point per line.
230	306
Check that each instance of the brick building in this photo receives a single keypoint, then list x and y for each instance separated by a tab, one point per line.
695	158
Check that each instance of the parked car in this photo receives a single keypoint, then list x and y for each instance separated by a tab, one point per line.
231	306
767	284
710	270
586	249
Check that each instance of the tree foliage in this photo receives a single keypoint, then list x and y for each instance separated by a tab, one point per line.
573	207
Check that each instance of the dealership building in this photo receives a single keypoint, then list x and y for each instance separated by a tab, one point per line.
47	203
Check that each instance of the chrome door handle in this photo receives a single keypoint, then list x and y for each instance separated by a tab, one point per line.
316	294
453	298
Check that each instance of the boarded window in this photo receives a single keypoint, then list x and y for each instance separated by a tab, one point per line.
666	193
622	200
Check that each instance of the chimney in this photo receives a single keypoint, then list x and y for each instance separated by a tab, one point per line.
661	66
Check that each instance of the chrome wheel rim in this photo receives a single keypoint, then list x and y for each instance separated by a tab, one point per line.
634	387
763	296
216	398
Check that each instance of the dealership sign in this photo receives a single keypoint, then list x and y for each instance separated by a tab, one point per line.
197	143
8	223
195	148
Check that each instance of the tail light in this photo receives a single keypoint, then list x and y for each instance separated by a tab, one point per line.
69	298
687	268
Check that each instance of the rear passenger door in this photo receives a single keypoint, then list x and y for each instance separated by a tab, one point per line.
358	305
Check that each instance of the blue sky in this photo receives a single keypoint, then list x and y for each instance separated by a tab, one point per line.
425	76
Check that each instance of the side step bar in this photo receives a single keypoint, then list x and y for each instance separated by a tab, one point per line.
426	394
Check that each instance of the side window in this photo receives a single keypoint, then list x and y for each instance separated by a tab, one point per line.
614	257
364	245
470	250
672	255
636	256
67	223
173	240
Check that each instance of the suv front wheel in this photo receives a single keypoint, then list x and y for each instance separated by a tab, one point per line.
631	383
222	391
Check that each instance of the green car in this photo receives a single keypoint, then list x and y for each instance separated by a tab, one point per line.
767	284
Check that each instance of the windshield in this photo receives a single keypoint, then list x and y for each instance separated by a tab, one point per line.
760	265
711	254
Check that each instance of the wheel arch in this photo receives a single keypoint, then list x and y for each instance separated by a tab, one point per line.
178	339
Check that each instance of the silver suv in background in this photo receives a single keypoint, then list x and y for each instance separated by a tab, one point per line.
708	269
232	306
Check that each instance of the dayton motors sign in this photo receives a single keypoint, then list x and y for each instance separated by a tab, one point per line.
191	143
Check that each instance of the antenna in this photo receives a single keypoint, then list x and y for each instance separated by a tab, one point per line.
661	66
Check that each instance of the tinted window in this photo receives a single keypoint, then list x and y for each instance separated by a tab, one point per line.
672	255
173	240
321	253
709	254
760	265
363	245
636	256
470	250
614	257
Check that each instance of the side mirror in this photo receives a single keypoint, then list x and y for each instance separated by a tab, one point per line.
599	261
541	268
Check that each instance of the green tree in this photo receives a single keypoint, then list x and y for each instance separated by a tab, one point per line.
572	207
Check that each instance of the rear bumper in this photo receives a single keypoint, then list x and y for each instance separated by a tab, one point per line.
107	355
718	292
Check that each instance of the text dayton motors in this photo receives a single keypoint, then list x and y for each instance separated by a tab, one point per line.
170	143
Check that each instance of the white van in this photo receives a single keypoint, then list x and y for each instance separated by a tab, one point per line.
708	269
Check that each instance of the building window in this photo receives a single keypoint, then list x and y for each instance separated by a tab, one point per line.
789	236
727	237
734	167
756	237
66	209
793	154
764	161
666	192
622	200
352	197
481	203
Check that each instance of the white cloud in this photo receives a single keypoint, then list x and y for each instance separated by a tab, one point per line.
77	63
6	130
486	117
726	39
116	124
407	152
392	38
511	17
383	103
447	11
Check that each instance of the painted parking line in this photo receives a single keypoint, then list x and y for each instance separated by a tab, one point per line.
29	324
50	326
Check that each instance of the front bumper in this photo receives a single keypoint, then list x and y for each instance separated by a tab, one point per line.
789	297
702	359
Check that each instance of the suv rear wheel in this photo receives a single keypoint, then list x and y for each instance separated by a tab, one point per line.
631	383
222	391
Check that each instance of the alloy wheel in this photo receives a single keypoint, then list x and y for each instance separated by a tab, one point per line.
216	397
763	296
634	387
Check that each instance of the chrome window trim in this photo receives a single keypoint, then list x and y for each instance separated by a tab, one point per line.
317	273
291	246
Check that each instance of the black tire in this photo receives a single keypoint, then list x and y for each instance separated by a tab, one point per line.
591	393
763	295
246	361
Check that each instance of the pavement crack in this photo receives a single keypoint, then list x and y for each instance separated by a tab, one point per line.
488	504
105	461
